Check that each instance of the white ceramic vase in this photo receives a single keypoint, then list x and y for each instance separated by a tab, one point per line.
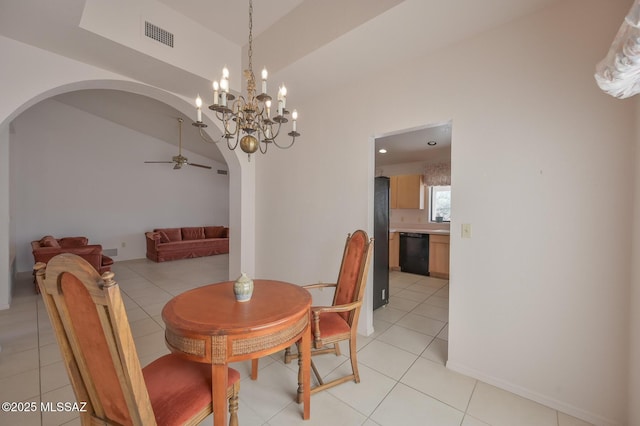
243	288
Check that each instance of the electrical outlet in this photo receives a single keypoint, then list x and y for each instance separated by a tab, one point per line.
466	230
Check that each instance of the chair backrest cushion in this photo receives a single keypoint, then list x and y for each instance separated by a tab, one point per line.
351	271
95	350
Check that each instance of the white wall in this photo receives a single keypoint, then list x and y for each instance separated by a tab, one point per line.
82	175
539	295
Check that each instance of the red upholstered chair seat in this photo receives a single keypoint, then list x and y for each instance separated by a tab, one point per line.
331	325
189	392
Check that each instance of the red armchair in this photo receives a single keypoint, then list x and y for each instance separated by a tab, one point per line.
47	247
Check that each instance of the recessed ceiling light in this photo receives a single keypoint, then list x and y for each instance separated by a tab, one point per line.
431	143
382	151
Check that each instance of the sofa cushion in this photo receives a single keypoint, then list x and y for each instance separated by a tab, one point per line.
170	234
214	231
73	242
49	241
192	233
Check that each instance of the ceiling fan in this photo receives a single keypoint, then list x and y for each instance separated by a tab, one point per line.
179	159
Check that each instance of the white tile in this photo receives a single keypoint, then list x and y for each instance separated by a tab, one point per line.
366	395
472	421
404	338
441	302
402	304
53	376
275	388
18	362
430	311
386	359
437	351
409	407
441	383
21	386
388	314
144	326
325	410
501	408
64	394
422	324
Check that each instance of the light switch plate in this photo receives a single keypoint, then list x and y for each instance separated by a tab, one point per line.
466	230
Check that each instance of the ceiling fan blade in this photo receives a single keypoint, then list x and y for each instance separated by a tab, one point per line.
159	162
199	165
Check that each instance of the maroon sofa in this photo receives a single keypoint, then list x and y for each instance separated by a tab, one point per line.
47	247
182	243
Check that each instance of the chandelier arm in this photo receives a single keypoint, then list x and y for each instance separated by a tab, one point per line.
274	136
236	144
208	139
260	143
293	140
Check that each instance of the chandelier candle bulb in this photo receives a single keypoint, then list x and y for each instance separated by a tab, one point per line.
216	87
268	106
264	80
199	111
294	116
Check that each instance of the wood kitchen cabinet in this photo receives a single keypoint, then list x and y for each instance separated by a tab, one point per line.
394	251
406	192
439	256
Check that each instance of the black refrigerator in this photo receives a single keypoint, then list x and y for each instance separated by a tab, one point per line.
381	243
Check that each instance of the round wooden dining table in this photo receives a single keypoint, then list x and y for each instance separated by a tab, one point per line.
208	325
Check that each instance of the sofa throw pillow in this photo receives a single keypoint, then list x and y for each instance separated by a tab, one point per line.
49	241
213	231
163	237
173	234
193	233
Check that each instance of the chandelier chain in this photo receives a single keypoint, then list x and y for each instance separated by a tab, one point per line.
250	34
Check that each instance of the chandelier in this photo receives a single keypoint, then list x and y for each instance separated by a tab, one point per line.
250	115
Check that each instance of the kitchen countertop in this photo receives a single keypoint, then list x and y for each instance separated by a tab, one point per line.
422	231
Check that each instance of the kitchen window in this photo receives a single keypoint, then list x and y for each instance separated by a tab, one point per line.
440	203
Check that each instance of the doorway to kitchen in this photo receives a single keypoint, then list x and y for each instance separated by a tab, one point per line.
411	225
412	204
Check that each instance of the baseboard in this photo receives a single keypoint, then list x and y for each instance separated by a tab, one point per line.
534	396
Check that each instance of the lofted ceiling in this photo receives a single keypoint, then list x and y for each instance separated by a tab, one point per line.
311	45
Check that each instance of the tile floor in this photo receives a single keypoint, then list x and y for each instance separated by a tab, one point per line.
402	365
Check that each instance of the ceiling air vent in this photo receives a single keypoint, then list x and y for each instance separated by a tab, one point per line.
158	34
223	172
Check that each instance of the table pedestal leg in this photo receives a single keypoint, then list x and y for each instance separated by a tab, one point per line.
219	384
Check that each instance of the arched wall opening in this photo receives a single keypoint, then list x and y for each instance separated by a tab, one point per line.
241	174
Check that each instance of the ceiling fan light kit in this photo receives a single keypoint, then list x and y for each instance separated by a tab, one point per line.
250	114
180	160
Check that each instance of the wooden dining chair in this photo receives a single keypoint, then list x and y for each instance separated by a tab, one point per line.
339	322
93	333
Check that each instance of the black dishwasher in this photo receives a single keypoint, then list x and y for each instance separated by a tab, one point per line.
414	253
